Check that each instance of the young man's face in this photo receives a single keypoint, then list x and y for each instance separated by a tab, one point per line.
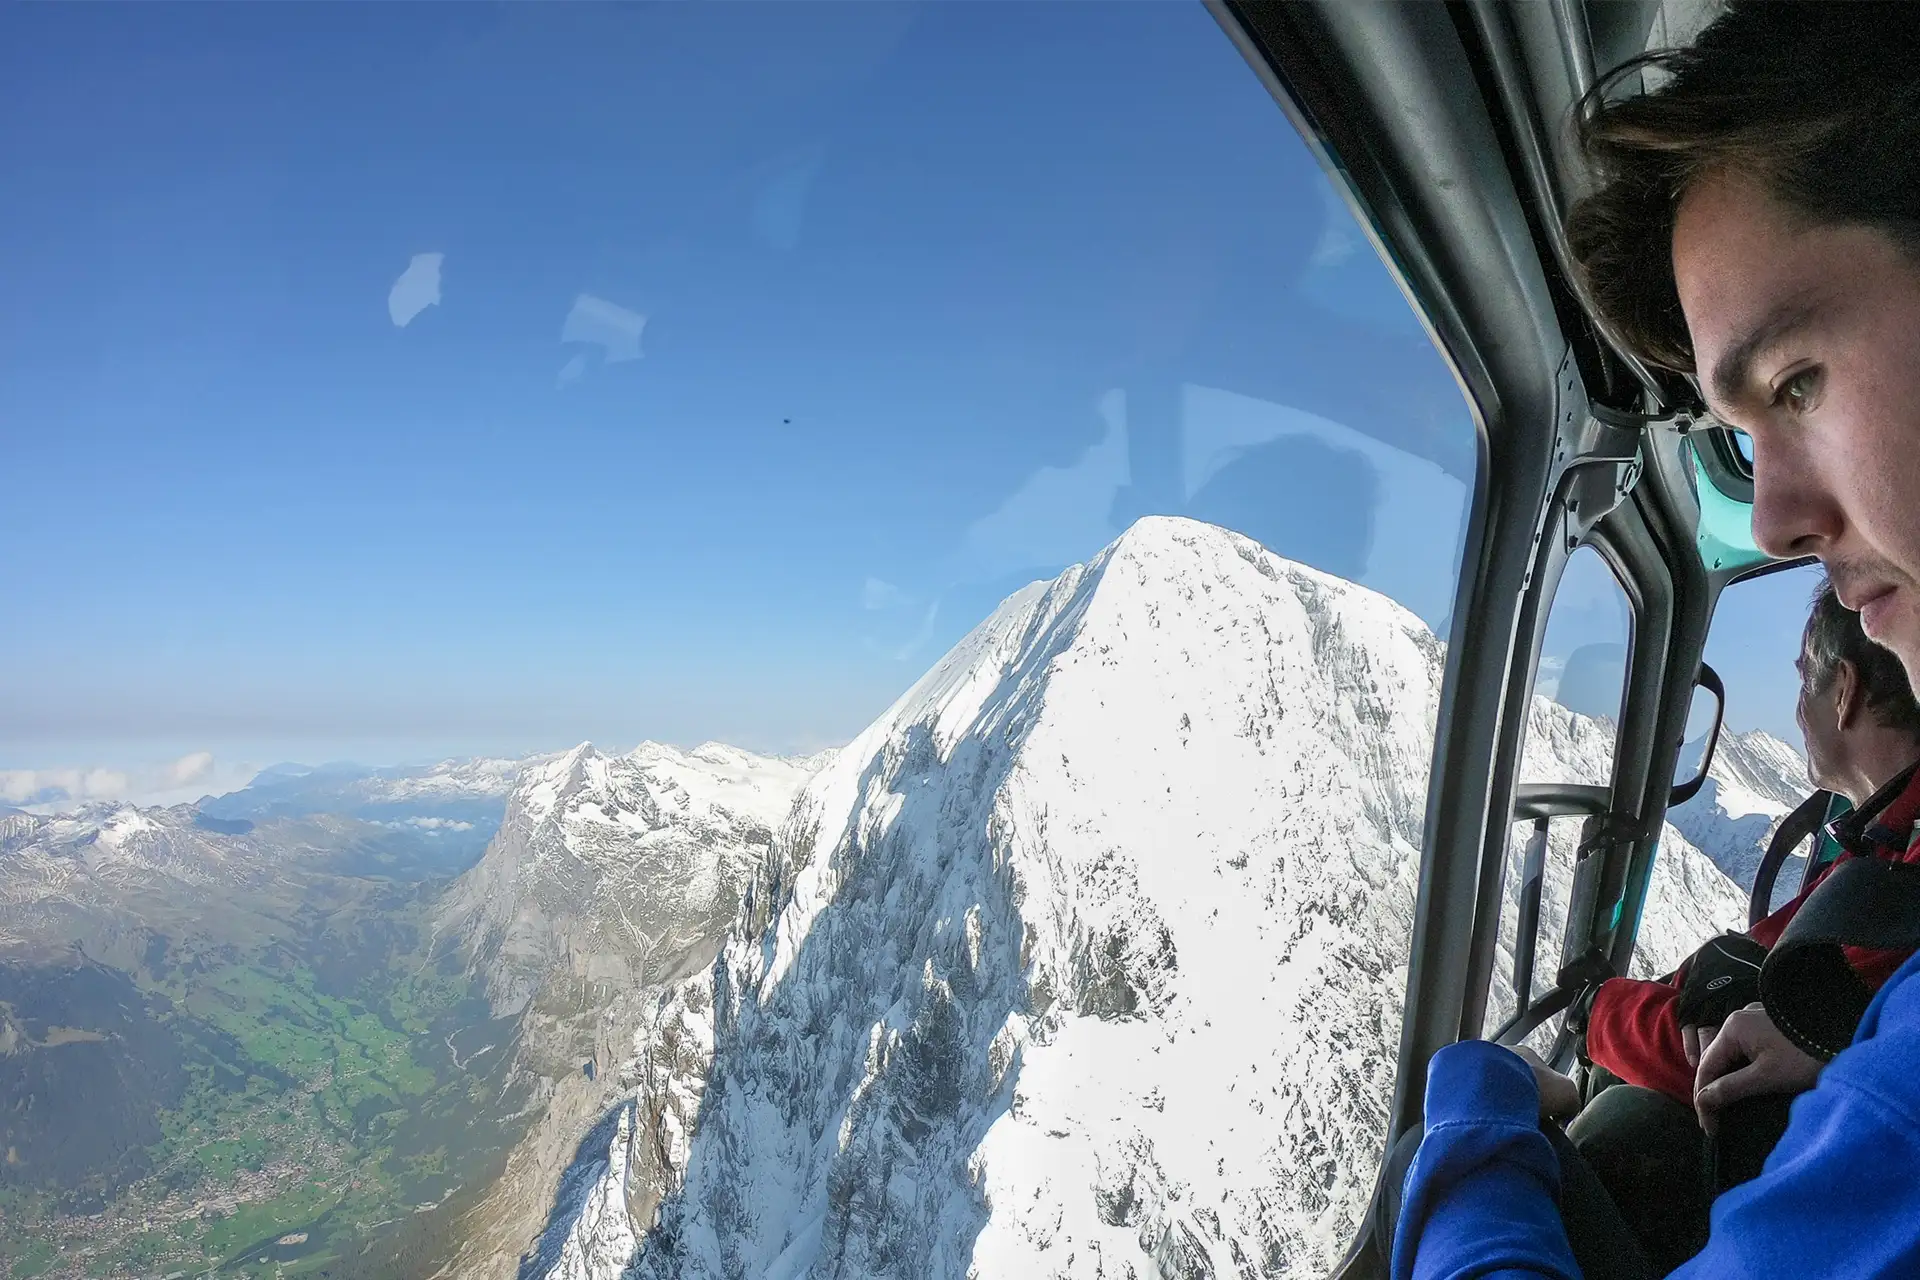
1808	339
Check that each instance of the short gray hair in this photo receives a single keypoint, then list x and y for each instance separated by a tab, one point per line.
1834	635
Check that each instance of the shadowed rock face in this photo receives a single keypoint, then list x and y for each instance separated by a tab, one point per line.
611	880
1085	959
617	870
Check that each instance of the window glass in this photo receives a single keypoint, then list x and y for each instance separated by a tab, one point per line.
1571	727
608	591
1724	537
1581	676
1759	769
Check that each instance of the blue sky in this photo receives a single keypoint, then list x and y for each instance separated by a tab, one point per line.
395	381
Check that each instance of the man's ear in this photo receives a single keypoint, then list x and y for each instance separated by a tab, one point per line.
1849	698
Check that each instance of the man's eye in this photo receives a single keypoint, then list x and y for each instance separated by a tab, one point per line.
1797	393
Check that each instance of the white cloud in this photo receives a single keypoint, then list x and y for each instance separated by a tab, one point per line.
607	324
77	786
417	288
571	371
166	782
436	824
1547	683
190	768
877	593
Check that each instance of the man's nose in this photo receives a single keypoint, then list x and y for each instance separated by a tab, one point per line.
1794	511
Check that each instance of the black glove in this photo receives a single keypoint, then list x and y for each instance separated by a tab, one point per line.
1722	977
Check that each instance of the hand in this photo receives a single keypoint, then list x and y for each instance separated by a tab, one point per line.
1696	1039
1559	1095
1749	1058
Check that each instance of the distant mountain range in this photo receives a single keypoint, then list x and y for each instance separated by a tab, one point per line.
1755	781
165	937
458	801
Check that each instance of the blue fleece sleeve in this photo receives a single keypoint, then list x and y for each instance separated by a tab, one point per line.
1840	1195
1482	1195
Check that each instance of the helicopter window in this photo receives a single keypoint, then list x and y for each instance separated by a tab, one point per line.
1580	678
1571	728
1759	771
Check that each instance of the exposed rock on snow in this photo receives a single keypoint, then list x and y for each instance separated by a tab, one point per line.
611	879
617	869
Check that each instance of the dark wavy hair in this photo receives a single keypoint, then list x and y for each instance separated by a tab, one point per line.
1834	635
1818	102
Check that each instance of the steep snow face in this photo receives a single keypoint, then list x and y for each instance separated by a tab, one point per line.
1086	959
618	868
600	1239
1755	780
611	879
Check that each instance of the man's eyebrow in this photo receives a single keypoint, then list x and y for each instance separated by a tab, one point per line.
1731	371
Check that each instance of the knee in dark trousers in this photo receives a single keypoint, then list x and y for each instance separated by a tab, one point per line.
1746	1135
1647	1150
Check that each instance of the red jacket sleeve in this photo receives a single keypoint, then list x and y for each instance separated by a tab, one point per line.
1632	1032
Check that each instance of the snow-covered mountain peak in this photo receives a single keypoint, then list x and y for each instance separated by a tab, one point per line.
1088	942
124	824
1085	959
113	837
1156	577
585	786
717	777
470	776
1762	767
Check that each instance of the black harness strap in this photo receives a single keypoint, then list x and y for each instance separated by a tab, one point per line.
1812	994
1795	827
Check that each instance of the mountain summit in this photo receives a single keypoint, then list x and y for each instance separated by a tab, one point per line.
1085	959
